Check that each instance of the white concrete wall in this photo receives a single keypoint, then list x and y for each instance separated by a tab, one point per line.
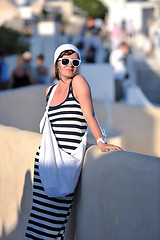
23	108
17	152
117	198
140	127
136	129
100	78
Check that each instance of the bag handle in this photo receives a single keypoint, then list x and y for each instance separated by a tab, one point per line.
50	97
42	122
101	128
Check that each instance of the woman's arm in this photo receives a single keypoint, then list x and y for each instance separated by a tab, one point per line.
82	92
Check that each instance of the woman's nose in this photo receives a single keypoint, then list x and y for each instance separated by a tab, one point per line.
70	64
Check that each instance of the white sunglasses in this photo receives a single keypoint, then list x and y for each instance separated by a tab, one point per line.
65	61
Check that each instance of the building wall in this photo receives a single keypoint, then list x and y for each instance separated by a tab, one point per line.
10	16
65	6
128	10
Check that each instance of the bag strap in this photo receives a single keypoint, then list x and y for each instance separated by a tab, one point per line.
50	93
45	116
101	128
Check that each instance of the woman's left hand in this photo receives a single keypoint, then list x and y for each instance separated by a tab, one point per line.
107	147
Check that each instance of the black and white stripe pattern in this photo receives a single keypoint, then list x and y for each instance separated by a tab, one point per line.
68	123
49	216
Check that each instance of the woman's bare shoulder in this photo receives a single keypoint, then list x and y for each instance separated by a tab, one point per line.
79	82
81	87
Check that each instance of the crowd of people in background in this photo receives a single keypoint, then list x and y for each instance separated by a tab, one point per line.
24	73
101	43
97	43
97	39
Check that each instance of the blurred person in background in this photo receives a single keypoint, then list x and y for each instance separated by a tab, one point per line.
94	45
117	59
96	41
123	29
90	23
98	23
129	32
53	79
4	78
81	47
90	54
115	36
153	33
20	76
41	72
27	59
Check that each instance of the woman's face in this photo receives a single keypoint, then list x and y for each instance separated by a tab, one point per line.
67	71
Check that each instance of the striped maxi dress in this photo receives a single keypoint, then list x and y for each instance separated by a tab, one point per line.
49	216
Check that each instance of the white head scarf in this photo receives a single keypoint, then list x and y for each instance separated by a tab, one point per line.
65	47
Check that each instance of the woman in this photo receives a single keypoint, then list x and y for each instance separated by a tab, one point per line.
69	113
20	76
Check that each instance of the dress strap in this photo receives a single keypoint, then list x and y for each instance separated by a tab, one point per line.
70	86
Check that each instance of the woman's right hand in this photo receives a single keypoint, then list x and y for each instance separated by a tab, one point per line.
107	147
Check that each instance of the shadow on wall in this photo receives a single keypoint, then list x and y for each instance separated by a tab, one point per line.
23	213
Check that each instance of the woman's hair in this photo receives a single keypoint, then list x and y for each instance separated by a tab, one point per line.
66	52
